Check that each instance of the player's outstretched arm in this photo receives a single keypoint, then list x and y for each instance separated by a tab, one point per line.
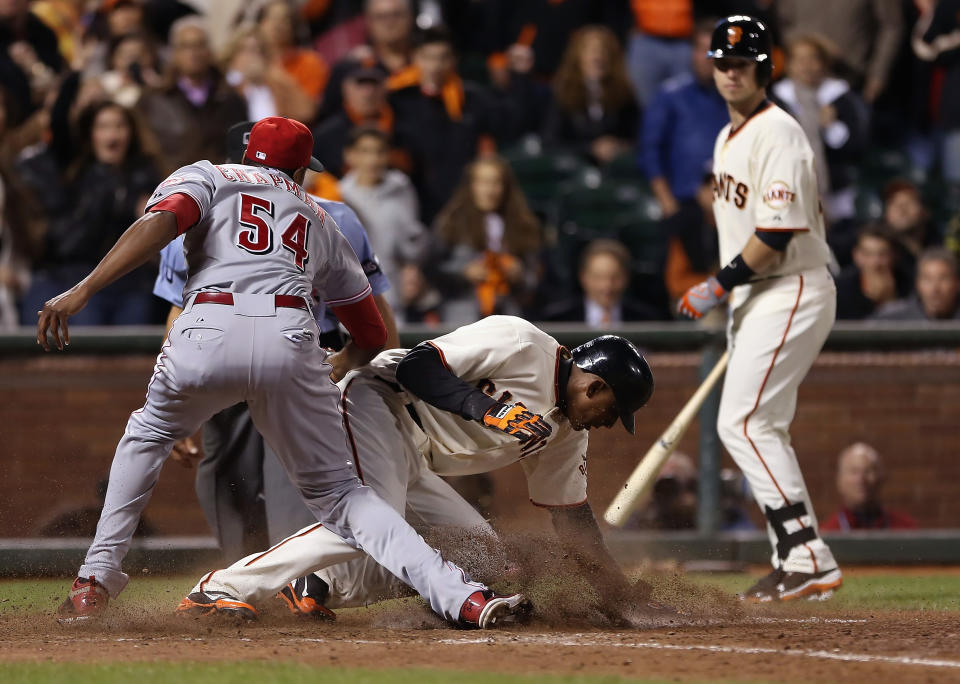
144	238
577	527
368	334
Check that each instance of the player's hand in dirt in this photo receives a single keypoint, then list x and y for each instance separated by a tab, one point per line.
701	298
518	421
185	452
53	318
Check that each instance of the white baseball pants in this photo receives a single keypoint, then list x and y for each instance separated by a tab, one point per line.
218	355
776	330
384	442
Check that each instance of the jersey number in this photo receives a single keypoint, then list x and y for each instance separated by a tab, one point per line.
258	237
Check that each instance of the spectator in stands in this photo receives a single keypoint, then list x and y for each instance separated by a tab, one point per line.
538	32
860	479
30	59
252	69
18	242
385	201
692	249
90	196
132	70
489	240
871	280
364	104
938	291
673	501
908	219
189	115
307	69
869	32
832	115
933	41
390	43
593	107
604	276
419	301
680	127
659	47
442	120
81	521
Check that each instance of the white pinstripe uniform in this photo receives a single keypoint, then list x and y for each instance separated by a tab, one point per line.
764	179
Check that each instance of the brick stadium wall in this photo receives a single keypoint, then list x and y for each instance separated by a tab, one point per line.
61	417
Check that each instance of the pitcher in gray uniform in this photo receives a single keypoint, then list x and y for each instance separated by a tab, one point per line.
256	246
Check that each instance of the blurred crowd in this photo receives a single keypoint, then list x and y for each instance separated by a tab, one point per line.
545	158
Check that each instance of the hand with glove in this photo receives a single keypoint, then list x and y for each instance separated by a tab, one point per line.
517	420
700	299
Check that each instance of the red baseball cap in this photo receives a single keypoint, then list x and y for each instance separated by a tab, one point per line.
282	143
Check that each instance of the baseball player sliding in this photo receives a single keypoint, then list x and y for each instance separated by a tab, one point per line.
782	301
256	247
413	414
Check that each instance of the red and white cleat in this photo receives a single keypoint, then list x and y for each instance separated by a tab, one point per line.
86	601
485	610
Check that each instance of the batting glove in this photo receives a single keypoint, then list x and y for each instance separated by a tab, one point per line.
518	421
699	299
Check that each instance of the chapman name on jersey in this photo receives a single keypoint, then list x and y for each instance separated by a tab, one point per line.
261	233
764	179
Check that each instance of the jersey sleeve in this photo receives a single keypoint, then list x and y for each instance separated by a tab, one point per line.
481	349
340	280
195	181
356	235
557	476
784	168
173	273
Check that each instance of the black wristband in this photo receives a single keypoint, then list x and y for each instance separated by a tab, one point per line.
476	405
735	273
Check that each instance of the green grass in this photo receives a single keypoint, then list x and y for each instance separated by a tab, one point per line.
938	592
275	673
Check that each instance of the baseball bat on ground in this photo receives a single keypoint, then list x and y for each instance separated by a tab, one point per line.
645	474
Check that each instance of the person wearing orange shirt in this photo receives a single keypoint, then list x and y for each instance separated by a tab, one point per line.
306	67
659	47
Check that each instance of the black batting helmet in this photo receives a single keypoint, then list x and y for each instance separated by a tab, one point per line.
747	38
622	367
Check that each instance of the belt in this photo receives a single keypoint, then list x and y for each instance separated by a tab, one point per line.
282	301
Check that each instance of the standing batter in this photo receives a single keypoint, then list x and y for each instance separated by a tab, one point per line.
413	414
782	301
256	247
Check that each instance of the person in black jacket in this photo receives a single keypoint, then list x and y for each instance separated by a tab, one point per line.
30	59
604	276
872	280
443	120
833	116
89	198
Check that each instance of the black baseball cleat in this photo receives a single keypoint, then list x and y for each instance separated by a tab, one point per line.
306	596
215	603
764	589
780	585
486	610
816	586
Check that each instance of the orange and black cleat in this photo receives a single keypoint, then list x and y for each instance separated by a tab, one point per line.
305	597
215	603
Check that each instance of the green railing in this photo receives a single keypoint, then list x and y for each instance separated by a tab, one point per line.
669	336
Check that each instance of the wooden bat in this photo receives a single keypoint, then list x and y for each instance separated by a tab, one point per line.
645	474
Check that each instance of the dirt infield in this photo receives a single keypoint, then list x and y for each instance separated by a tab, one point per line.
790	643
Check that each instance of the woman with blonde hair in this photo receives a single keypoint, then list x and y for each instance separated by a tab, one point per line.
593	105
490	239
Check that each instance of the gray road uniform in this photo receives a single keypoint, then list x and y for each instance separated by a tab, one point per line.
261	238
401	444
